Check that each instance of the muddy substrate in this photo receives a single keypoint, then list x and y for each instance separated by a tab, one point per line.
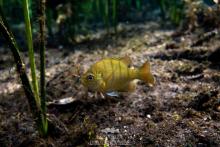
182	109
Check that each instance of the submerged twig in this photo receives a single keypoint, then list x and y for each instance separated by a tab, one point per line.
42	63
63	101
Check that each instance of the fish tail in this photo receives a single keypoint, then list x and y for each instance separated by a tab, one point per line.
145	74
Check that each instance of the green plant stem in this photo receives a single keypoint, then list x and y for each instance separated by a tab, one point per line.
31	51
1	3
97	4
138	4
42	65
128	2
114	14
106	15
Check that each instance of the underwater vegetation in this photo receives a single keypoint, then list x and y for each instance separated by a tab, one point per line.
35	97
162	56
71	19
67	19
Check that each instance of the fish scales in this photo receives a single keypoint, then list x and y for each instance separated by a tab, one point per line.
116	75
122	78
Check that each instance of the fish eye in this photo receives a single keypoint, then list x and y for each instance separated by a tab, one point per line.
90	77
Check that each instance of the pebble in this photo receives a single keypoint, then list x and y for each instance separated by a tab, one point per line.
218	108
149	116
110	130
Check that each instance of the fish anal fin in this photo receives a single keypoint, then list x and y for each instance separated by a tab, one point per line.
129	87
132	86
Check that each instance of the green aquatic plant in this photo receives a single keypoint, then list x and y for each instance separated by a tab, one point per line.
39	98
66	19
29	41
1	2
172	9
114	14
138	4
36	101
106	14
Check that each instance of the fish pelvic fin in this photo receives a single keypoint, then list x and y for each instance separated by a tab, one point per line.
131	86
146	75
113	94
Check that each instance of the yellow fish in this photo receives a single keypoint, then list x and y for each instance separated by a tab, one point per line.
114	75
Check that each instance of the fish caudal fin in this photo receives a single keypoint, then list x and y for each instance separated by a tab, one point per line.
146	75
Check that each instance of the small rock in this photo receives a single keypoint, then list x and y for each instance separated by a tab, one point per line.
149	116
110	130
218	108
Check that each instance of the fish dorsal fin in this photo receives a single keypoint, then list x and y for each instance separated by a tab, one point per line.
126	60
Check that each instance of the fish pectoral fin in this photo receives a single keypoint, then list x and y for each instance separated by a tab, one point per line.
113	94
102	87
126	60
